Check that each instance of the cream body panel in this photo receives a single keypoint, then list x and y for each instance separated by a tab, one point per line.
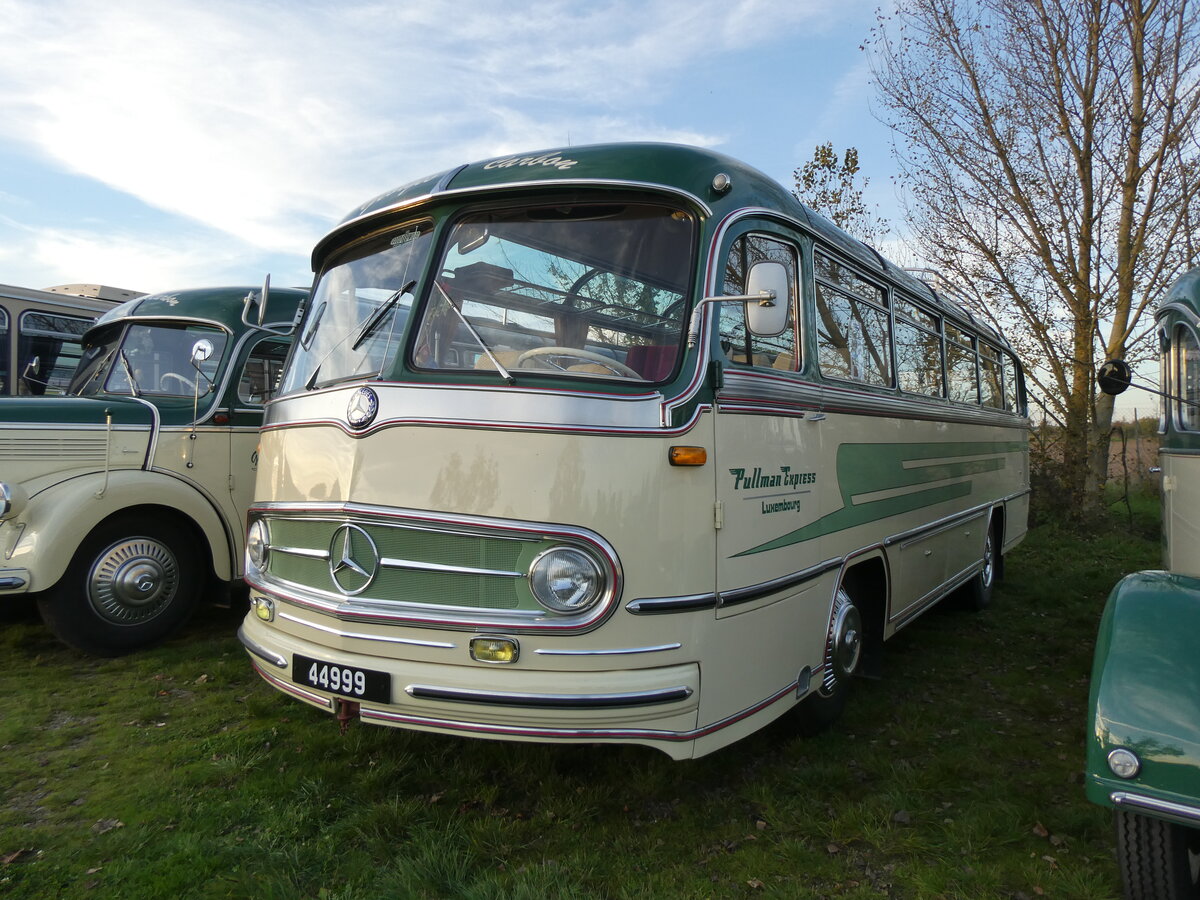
57	520
38	456
1181	512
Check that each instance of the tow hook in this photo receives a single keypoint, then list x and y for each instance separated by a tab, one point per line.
347	712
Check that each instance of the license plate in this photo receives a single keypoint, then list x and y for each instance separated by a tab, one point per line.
346	681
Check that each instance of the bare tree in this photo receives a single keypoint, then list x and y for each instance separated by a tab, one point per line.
829	186
1049	150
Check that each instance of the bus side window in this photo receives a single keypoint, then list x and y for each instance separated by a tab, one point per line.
853	336
3	351
740	346
1188	369
960	365
55	341
260	377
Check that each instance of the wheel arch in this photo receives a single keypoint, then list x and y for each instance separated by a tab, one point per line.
867	580
58	520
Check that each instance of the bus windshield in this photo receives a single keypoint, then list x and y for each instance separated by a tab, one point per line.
587	290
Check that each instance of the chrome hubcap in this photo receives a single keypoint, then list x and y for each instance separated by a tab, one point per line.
133	581
844	646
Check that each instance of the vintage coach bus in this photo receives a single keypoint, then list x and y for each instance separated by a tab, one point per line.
618	443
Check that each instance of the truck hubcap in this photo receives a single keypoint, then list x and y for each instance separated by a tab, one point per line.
132	581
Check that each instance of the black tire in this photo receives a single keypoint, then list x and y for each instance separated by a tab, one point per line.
1159	860
978	593
843	657
131	583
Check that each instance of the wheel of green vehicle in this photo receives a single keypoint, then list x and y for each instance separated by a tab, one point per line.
1159	860
132	582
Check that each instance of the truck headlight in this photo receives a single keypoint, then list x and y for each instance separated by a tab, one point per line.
258	541
566	580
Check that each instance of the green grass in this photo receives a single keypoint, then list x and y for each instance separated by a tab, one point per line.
177	773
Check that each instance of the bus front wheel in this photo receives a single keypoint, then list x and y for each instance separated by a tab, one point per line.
129	585
843	656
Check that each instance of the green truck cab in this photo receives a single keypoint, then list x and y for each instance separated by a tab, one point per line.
1143	754
124	500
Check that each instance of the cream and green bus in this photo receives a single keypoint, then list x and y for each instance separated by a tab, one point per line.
618	443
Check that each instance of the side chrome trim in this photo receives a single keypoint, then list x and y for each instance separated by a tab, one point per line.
549	701
360	636
259	650
11	583
690	603
1184	814
620	651
764	589
922	531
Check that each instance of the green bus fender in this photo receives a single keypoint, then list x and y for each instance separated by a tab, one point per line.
1145	689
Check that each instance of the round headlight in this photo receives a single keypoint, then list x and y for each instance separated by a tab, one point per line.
257	541
565	580
1124	763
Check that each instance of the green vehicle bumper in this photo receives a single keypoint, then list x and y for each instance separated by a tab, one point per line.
1145	698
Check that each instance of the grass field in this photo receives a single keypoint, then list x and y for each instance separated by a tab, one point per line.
177	773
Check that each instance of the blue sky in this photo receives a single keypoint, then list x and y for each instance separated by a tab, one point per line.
160	145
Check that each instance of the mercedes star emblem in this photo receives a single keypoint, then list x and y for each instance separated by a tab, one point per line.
353	559
363	406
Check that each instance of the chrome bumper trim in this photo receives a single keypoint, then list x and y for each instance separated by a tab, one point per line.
259	650
1164	809
549	701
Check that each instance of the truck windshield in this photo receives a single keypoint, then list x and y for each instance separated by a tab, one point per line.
159	358
583	290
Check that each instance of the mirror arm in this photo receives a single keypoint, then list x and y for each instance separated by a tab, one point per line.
764	298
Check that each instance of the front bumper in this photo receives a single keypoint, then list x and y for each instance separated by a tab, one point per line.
656	706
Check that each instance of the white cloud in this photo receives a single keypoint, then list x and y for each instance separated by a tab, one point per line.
265	121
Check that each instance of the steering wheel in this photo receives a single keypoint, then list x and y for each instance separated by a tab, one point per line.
186	382
585	355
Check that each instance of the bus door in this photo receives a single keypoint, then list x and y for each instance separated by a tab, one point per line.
768	442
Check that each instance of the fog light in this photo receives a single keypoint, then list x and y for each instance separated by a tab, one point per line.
1124	763
264	608
494	650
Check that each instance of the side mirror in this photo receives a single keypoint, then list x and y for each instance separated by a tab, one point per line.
201	350
1114	377
768	317
33	367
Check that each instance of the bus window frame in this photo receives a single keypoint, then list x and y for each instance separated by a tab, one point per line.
792	244
885	307
1178	375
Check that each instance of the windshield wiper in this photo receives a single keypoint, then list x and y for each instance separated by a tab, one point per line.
133	385
379	315
504	373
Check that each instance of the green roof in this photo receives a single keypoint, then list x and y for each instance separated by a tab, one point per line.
221	304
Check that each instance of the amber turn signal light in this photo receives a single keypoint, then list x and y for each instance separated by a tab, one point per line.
687	456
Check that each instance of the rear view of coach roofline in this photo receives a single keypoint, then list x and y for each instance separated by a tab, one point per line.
618	443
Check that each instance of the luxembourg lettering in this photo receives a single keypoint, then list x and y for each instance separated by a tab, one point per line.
546	159
784	478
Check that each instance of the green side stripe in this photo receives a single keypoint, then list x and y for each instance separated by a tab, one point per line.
865	469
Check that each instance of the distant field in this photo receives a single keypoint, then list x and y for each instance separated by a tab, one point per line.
177	773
